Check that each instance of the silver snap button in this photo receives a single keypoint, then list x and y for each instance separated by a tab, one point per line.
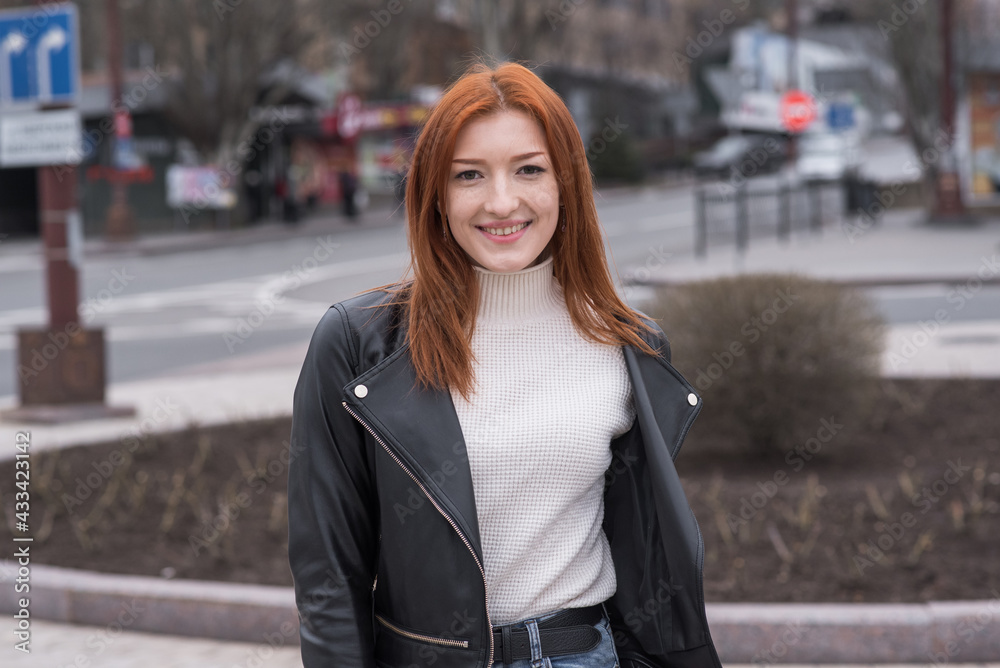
693	399
360	391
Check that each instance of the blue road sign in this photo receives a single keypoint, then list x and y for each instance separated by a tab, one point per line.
39	57
840	116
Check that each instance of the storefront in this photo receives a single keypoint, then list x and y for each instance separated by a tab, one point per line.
983	156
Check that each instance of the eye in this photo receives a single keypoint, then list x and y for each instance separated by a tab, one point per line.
532	169
467	175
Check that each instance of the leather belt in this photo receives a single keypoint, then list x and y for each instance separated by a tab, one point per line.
569	632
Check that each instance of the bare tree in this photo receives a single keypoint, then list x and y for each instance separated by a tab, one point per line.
219	53
916	52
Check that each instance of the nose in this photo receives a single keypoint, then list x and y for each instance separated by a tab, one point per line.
501	199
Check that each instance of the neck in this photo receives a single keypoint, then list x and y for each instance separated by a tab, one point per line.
529	294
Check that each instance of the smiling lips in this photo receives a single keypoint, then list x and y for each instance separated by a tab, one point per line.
507	233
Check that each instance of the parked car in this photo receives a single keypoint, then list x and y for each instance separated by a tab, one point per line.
747	154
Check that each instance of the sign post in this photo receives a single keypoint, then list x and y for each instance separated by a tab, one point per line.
120	224
60	367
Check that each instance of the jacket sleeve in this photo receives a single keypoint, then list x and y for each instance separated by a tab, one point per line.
332	512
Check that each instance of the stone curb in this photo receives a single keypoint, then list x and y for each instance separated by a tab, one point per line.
219	610
757	633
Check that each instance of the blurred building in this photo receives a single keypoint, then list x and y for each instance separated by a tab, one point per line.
978	113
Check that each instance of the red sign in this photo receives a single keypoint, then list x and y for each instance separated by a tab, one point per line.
349	118
123	124
798	110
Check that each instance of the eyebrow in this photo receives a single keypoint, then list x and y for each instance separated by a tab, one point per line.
523	156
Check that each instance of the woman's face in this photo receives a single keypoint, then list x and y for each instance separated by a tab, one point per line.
502	196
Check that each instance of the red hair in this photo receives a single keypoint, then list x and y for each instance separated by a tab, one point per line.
442	300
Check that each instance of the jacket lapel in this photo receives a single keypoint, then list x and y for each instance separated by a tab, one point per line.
421	427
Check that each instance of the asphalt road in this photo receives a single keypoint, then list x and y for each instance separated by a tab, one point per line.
165	312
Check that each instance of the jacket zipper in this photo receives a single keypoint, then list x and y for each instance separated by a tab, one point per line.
421	637
452	522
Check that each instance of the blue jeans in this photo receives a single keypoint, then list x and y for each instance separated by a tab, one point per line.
602	656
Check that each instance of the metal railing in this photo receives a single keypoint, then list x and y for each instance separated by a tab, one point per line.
724	212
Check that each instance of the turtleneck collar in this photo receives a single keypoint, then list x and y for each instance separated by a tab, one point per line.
518	296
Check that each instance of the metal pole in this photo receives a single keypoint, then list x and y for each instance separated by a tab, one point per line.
57	206
700	223
784	214
816	207
742	219
792	15
120	222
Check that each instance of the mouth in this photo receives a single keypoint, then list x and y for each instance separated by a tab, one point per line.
506	231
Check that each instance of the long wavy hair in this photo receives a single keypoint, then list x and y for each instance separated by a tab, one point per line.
442	300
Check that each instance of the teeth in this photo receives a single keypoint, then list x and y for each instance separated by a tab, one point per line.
503	231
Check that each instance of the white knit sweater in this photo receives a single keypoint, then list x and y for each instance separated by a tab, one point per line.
546	404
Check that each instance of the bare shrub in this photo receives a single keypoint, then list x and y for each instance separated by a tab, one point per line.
774	355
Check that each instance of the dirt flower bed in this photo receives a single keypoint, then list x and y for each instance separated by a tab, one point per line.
907	510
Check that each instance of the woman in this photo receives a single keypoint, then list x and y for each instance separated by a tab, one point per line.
482	468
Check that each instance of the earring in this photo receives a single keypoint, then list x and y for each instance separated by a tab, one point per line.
444	227
562	217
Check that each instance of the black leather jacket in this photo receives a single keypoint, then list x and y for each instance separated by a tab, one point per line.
383	536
